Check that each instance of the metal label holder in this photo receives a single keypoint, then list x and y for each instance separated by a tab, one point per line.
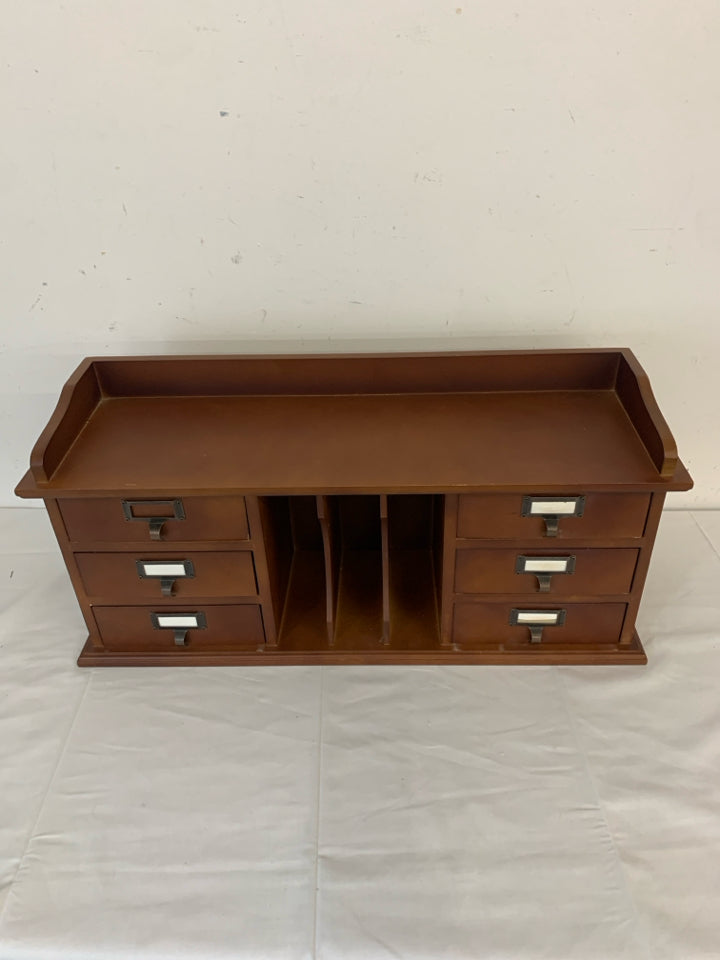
536	621
551	509
167	581
155	522
179	628
545	568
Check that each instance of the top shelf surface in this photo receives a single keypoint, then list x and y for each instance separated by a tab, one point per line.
114	434
356	442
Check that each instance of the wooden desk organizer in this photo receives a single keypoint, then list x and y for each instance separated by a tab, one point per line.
450	508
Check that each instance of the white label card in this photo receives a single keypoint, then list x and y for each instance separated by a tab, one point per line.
169	620
164	569
543	565
553	507
537	616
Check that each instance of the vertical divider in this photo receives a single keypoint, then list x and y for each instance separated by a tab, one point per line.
447	574
263	540
331	552
385	553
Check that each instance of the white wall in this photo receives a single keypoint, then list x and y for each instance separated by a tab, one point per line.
186	176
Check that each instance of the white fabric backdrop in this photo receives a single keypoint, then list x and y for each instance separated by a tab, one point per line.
360	812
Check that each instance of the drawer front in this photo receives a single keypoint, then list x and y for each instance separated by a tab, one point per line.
139	577
220	628
488	624
500	516
593	571
145	520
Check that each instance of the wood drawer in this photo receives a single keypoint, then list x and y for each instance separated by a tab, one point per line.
185	518
594	571
227	628
137	577
490	516
488	624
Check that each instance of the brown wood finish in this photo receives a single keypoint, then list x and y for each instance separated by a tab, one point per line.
296	567
94	639
357	509
575	392
580	654
597	572
413	612
115	577
331	555
356	443
359	615
414	564
254	517
206	518
360	601
328	374
385	566
229	628
608	515
304	627
79	398
633	388
449	534
651	528
488	624
438	533
177	546
270	528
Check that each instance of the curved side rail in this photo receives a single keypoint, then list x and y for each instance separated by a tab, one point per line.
634	390
77	400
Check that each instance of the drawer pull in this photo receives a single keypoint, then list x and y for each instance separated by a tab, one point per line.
545	568
156	526
179	623
154	512
551	509
536	621
166	571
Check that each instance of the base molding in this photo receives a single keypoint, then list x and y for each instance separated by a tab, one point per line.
536	655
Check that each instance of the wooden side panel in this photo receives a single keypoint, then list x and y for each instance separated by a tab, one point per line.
61	534
79	397
633	388
641	570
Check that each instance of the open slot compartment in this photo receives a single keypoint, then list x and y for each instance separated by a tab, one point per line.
353	570
415	548
356	572
296	567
